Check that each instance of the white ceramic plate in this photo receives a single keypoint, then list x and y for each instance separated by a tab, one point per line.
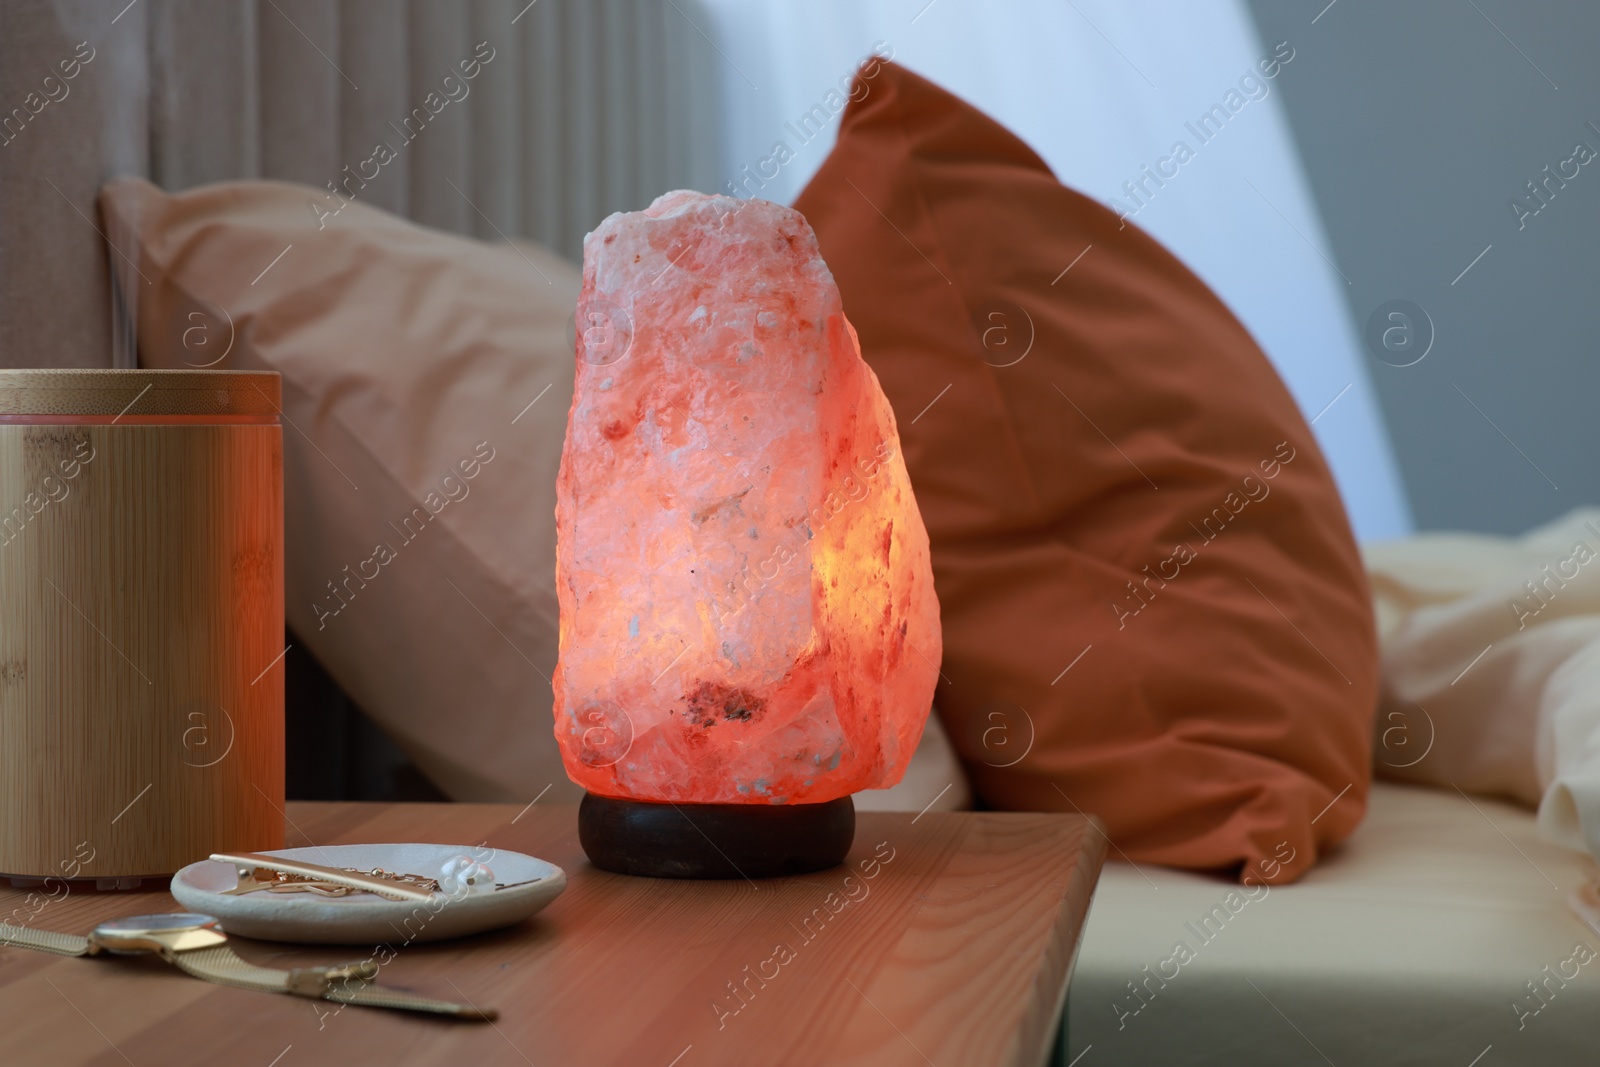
364	918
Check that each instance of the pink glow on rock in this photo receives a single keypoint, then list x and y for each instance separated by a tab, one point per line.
747	605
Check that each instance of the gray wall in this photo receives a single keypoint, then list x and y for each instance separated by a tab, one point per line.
1418	122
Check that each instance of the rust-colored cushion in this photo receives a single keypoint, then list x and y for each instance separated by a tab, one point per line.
1153	606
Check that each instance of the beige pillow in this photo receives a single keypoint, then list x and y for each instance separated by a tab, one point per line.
426	380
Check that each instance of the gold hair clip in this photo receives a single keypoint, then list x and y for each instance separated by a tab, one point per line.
274	874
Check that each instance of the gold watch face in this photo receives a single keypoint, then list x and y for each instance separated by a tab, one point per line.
177	931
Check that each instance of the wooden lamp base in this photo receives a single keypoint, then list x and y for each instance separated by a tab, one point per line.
714	840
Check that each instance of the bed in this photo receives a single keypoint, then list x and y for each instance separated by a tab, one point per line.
1439	933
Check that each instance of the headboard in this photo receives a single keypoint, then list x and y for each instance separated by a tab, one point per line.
577	108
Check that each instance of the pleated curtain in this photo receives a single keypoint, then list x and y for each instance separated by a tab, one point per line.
586	107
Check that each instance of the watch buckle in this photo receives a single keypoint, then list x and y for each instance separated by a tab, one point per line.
317	981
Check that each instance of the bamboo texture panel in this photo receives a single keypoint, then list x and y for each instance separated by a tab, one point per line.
141	607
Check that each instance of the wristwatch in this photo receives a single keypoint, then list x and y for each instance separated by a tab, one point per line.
197	945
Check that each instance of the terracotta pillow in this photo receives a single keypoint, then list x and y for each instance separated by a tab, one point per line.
426	380
1154	610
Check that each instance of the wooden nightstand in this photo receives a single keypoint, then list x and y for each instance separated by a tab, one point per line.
947	939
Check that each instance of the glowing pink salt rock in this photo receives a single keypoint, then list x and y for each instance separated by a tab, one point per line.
747	605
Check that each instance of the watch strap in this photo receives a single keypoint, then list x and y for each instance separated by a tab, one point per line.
43	940
374	997
348	983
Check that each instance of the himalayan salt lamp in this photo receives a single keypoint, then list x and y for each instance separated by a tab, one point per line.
749	632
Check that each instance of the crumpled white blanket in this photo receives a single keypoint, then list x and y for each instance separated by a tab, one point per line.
1491	668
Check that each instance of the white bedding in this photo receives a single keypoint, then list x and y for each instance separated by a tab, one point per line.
1491	668
1413	944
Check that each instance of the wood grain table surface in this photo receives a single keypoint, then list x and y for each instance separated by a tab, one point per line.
946	939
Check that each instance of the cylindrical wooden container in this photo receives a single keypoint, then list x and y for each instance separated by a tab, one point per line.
141	620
